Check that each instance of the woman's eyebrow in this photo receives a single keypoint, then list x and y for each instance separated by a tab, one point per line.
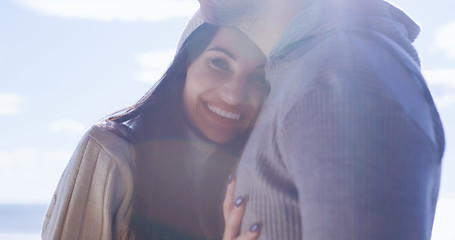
226	52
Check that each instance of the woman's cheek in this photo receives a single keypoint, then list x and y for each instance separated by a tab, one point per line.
210	77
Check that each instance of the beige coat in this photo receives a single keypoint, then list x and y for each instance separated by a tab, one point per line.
98	174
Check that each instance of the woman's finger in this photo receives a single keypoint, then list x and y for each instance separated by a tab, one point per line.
251	234
233	219
229	198
233	210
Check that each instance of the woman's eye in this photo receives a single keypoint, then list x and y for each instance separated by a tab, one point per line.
219	63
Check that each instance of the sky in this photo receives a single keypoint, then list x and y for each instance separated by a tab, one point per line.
66	64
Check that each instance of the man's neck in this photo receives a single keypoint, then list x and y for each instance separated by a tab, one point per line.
267	28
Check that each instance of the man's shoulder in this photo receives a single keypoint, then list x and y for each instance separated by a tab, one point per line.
354	49
353	59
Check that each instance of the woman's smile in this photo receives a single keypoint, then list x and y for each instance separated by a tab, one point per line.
223	117
223	113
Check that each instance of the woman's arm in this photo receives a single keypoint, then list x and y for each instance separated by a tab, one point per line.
93	196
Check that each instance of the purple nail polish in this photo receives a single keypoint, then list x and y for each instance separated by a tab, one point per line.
238	201
254	227
229	180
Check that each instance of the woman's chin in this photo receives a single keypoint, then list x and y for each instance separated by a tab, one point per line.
221	138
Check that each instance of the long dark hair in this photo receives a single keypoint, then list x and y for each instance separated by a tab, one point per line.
158	118
165	97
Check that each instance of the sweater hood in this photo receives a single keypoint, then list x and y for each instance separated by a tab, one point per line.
323	16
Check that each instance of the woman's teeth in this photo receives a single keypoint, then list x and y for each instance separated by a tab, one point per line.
223	113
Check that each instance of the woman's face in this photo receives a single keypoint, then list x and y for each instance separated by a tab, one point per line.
225	86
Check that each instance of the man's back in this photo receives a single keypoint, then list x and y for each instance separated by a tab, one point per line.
348	145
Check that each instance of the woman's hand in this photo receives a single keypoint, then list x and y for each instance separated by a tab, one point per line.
233	210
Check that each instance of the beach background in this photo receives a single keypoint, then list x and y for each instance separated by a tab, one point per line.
65	65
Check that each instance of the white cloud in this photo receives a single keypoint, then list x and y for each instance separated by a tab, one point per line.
153	59
109	10
18	158
445	39
445	217
441	81
154	65
441	76
68	127
29	175
11	103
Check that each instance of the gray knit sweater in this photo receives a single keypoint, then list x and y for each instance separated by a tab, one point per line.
349	142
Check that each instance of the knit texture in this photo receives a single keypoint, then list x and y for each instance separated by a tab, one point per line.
349	143
93	199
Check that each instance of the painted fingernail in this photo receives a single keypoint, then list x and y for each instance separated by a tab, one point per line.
254	227
238	201
229	180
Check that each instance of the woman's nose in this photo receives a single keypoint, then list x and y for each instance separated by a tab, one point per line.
233	92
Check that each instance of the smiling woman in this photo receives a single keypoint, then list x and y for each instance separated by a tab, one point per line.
225	86
158	169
